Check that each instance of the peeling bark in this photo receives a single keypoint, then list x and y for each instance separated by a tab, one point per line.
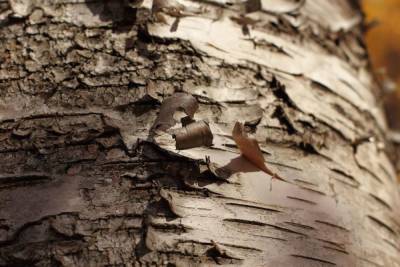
85	180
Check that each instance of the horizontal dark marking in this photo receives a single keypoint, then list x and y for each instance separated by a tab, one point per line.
194	208
345	175
77	161
302	200
191	241
5	227
381	201
301	225
355	91
391	244
251	207
382	224
174	228
346	183
227	198
340	246
370	172
23	179
241	247
245	222
336	249
332	225
304	182
285	230
313	190
313	259
264	224
376	177
271	237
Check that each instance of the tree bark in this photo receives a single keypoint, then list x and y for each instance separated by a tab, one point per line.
85	180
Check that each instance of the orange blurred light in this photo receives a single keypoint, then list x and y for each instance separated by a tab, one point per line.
383	43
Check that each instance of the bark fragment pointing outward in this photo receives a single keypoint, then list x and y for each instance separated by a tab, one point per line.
177	102
249	148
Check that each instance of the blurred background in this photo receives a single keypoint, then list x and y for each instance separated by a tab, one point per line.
383	41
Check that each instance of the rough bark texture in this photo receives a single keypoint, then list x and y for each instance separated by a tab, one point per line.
84	183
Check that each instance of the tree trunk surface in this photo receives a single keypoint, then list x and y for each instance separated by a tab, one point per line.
87	180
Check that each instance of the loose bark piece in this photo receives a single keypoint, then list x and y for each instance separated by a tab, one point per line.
193	135
249	148
178	101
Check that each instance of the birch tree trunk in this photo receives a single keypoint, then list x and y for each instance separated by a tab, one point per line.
85	182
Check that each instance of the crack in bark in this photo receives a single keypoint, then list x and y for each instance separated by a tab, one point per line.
313	259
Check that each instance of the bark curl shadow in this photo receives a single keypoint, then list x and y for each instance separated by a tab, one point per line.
238	164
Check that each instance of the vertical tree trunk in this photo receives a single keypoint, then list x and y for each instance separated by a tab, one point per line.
85	182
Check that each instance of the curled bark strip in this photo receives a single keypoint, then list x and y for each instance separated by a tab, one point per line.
193	135
178	101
